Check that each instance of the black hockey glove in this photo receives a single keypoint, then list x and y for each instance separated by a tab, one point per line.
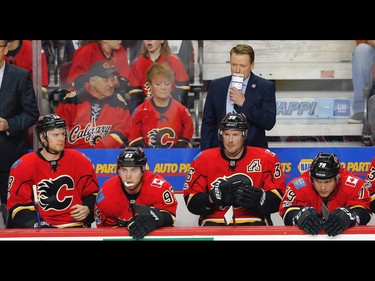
309	220
339	220
147	219
249	197
221	195
122	223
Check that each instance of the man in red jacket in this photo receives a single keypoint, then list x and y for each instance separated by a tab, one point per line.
96	117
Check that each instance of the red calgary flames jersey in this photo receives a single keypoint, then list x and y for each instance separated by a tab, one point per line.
137	75
24	59
370	180
259	167
94	123
91	53
300	192
113	205
58	189
161	127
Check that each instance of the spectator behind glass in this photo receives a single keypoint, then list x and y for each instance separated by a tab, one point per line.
20	53
135	198
110	51
69	50
184	49
18	112
327	197
363	58
256	99
65	182
245	179
161	121
96	117
156	51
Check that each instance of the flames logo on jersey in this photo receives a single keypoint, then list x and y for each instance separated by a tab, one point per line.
95	140
56	194
147	90
161	138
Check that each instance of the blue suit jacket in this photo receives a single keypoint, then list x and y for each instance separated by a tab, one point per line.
259	108
18	105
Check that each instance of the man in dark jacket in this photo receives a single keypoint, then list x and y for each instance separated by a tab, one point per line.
254	96
18	112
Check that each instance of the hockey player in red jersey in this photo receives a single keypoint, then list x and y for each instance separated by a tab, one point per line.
161	121
326	197
136	198
370	184
96	117
248	179
53	186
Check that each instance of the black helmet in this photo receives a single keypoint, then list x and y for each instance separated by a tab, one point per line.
131	157
325	166
49	122
234	121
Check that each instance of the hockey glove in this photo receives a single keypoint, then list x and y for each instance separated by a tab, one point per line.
122	223
147	219
221	195
339	220
309	220
249	197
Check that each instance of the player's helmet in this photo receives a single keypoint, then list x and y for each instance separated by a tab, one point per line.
234	121
132	157
49	122
325	166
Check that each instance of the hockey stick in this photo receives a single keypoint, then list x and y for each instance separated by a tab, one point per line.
36	203
325	211
132	202
229	215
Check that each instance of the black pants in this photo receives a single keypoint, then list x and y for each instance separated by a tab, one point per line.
4	186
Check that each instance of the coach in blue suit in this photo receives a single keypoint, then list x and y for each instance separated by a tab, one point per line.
258	103
18	112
